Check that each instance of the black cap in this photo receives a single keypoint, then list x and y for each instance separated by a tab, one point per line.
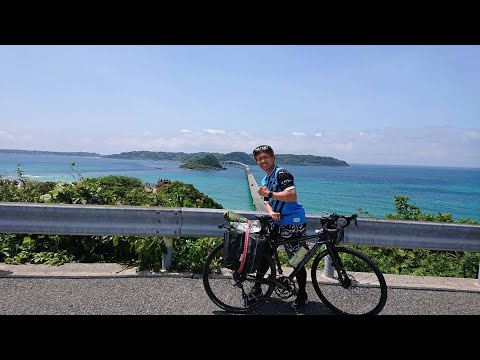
261	148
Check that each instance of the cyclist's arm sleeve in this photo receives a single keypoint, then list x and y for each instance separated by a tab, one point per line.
285	180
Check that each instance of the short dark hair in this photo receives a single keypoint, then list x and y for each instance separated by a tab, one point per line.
261	148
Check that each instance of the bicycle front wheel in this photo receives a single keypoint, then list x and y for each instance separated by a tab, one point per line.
228	289
362	292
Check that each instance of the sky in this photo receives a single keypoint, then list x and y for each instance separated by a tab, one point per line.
364	104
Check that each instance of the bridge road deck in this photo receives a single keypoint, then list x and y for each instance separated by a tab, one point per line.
252	184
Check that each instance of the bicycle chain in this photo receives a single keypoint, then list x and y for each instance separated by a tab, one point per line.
288	289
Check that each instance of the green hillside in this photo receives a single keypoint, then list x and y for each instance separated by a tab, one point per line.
208	162
282	159
38	152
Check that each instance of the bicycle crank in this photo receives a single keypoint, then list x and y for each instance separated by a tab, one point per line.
286	289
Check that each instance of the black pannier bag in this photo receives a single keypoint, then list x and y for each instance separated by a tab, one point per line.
233	251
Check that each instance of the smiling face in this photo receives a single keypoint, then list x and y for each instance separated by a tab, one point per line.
266	161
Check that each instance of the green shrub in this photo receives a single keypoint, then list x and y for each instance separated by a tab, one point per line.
423	262
188	253
142	251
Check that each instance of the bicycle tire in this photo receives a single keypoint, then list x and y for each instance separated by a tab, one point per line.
367	293
228	294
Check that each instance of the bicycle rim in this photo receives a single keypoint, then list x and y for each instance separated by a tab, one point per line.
225	291
365	292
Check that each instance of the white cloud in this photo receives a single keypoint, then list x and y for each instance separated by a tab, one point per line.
318	134
471	135
243	133
214	131
298	133
5	135
12	138
434	146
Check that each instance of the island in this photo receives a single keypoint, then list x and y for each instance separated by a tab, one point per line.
39	152
208	162
244	158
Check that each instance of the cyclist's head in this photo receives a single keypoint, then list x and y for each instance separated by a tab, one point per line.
263	148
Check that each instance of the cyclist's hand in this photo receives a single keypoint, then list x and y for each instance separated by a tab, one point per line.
263	191
275	215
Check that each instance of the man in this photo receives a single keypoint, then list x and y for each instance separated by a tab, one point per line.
280	196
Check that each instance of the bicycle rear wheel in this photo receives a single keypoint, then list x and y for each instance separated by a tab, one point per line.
364	291
227	289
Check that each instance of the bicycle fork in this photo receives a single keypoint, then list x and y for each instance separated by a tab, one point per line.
334	259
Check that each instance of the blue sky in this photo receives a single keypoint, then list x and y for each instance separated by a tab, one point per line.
393	104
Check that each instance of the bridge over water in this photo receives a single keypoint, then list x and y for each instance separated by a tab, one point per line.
252	183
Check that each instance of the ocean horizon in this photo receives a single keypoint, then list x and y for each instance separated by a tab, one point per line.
321	189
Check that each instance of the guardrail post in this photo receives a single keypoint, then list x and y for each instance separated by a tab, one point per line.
167	258
328	268
478	274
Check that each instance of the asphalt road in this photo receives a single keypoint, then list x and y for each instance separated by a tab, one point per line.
186	296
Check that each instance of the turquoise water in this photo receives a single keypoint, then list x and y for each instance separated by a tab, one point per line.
320	189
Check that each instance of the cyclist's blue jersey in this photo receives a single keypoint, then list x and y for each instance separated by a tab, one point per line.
280	179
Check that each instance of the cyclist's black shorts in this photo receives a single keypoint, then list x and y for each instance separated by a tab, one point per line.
289	231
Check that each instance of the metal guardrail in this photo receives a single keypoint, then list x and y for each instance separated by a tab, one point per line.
67	219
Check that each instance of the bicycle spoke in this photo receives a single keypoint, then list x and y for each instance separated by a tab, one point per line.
227	289
364	293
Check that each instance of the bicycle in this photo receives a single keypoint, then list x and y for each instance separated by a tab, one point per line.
347	281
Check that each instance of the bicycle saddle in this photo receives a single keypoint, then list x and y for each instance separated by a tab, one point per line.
263	218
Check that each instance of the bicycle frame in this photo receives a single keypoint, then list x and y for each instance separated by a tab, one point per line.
352	284
319	241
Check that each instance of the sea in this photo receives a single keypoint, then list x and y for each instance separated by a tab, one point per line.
358	188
